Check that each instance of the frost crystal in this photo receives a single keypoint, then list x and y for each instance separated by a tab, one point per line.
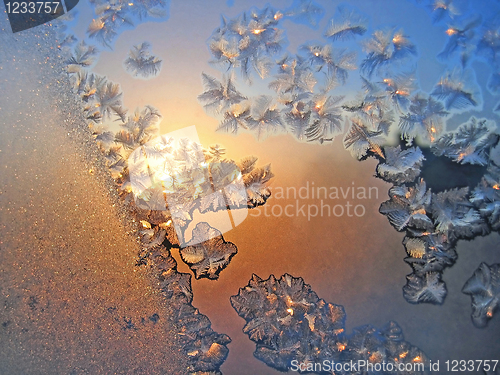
458	90
455	216
346	24
398	89
469	144
256	182
486	196
408	207
374	107
210	254
325	118
424	119
426	288
305	11
113	15
265	118
140	62
337	63
83	56
489	45
385	345
484	289
431	252
219	95
401	166
461	40
443	8
384	49
288	322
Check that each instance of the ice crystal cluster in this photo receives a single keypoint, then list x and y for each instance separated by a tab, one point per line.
253	45
484	289
289	322
141	63
434	222
302	101
114	15
207	253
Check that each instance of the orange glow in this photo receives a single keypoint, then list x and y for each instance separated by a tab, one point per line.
290	311
316	53
258	31
403	355
417	359
451	31
278	16
398	38
496	187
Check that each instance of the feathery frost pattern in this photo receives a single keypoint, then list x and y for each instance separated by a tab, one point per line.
251	44
385	49
427	288
390	104
219	96
346	24
140	62
408	207
486	196
425	119
123	150
401	166
359	140
457	90
469	144
289	322
115	15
